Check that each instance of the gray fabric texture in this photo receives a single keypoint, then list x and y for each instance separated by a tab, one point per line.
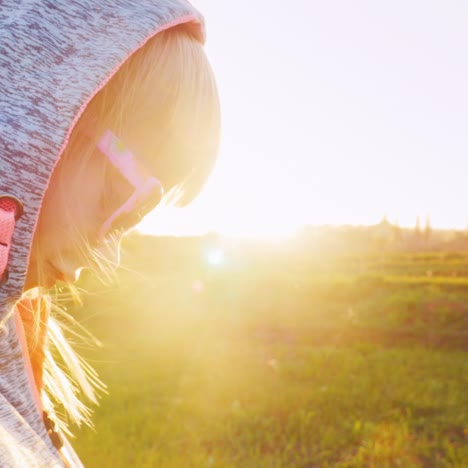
54	56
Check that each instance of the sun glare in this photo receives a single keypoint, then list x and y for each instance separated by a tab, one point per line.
198	219
215	257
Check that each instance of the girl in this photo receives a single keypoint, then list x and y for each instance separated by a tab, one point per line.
106	108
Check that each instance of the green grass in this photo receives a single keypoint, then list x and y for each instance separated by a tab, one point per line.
261	369
248	405
266	402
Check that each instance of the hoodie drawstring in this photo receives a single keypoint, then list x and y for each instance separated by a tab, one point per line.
11	210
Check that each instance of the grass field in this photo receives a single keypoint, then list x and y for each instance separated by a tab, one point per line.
280	361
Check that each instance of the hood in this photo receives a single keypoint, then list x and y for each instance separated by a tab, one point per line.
55	55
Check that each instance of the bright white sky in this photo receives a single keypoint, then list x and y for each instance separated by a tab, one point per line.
334	112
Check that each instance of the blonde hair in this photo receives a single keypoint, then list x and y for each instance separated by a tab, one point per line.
164	98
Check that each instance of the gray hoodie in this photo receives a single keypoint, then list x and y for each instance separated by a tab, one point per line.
55	55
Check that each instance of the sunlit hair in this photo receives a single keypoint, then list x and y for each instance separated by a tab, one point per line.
163	104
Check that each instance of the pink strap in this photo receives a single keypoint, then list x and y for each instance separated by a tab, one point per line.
7	225
121	157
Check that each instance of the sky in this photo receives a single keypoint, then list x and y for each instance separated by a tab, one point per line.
334	112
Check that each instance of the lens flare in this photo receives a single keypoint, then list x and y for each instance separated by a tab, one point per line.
197	287
216	257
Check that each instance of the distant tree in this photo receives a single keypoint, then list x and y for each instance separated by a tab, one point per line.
417	226
396	231
427	228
